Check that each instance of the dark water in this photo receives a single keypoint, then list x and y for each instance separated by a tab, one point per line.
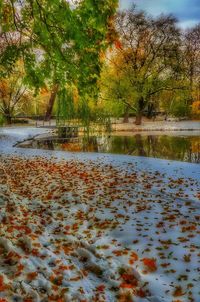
182	148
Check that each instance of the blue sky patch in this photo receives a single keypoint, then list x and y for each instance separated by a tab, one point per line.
187	11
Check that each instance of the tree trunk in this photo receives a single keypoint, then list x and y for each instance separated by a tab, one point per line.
150	111
8	116
126	115
8	119
138	119
141	104
51	102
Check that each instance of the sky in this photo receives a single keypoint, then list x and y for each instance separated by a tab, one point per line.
187	11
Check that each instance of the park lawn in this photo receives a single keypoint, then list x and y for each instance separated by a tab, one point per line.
94	230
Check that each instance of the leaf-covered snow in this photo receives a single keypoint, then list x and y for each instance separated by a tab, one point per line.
94	230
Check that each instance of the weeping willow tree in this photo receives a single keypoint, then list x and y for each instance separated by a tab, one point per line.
65	106
80	111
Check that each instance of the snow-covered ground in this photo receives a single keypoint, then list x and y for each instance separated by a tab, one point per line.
96	227
157	126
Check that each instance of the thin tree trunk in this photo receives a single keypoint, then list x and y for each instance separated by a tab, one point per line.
150	110
52	99
126	115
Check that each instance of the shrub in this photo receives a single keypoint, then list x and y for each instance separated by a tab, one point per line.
196	109
180	108
2	120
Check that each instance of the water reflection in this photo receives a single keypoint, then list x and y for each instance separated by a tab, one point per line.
183	148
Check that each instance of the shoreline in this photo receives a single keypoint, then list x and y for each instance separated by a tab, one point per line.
11	137
147	125
159	126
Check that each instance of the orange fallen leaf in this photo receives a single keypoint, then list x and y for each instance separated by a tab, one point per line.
178	292
32	275
126	285
150	263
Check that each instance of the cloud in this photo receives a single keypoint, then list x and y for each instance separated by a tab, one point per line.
187	11
188	23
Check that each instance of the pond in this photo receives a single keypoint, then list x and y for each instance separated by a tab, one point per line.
181	148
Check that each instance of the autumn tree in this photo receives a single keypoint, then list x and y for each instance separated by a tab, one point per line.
191	51
14	95
146	60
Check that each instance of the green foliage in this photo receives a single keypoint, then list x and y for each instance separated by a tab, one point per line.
2	120
176	103
65	103
116	91
8	59
70	39
180	108
59	44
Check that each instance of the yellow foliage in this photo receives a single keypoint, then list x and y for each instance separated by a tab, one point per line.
196	146
3	88
44	91
196	108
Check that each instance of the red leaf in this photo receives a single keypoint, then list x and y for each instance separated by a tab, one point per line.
101	288
118	44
